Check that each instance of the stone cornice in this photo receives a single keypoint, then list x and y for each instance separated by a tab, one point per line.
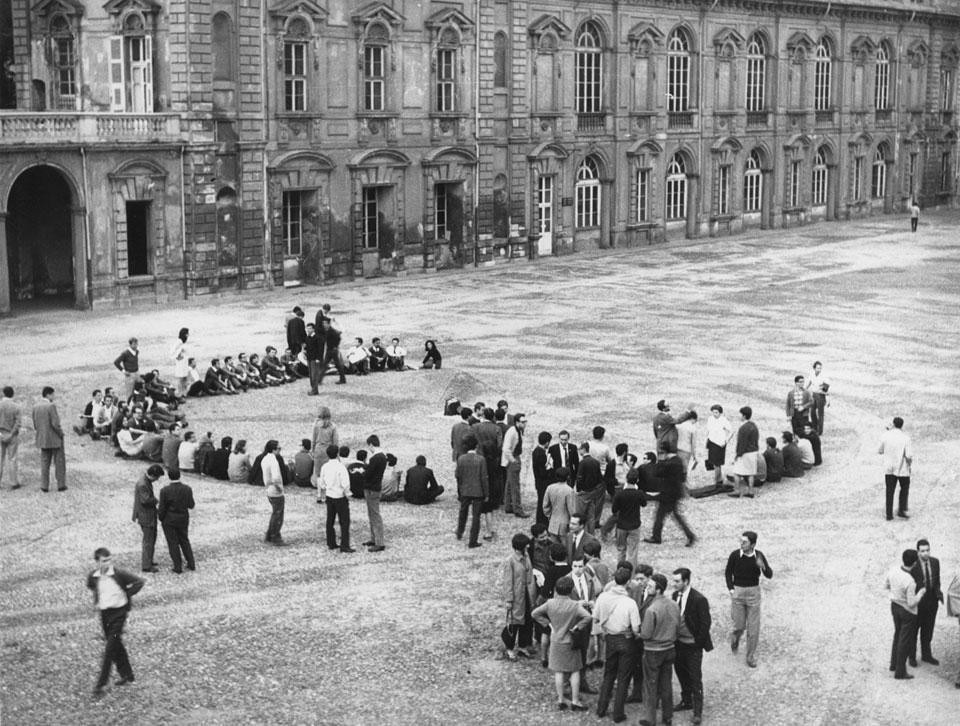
886	10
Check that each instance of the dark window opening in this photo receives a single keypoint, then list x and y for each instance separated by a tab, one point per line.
138	239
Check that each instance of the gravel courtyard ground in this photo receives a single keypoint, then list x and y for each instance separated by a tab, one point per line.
301	635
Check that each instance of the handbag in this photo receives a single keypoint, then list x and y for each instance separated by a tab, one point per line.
580	638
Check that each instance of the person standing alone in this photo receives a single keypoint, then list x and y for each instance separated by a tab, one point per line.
145	514
897	459
744	567
273	482
10	420
46	422
112	589
128	363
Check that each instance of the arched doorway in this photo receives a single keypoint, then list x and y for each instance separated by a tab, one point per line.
40	239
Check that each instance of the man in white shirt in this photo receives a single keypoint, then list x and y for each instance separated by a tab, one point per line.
806	451
396	355
510	455
818	385
273	485
359	358
897	453
187	451
617	615
333	488
904	598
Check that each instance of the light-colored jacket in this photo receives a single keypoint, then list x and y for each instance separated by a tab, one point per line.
516	578
897	452
46	421
9	419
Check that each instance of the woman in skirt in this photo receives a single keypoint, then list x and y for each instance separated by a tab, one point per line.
562	614
719	431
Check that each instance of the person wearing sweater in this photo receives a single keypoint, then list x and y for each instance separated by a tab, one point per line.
658	631
744	567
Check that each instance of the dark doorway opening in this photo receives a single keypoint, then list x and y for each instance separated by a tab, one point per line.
138	239
40	237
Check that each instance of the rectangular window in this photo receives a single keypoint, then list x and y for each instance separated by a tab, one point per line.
912	175
946	90
589	97
821	84
442	214
138	238
819	185
755	71
676	197
678	83
588	204
858	179
795	168
295	77
643	195
751	191
371	218
66	80
945	171
545	204
374	78
882	88
878	180
723	190
446	80
293	223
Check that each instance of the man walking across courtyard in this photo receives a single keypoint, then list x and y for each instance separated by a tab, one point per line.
744	567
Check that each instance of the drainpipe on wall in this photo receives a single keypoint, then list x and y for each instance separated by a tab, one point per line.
86	227
183	219
265	201
476	133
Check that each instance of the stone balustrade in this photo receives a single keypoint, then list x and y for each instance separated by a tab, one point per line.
32	127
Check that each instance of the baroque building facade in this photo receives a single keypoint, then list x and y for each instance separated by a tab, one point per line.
153	150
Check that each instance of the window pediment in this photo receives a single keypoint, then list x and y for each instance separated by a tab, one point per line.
862	49
728	38
644	38
447	17
728	143
800	45
120	7
286	9
548	24
48	8
917	53
377	12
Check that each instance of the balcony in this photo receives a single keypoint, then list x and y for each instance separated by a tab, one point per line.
680	120
824	117
73	127
757	119
591	123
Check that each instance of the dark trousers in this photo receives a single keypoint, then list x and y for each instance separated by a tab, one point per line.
926	619
913	224
516	635
471	505
891	481
178	540
818	410
332	355
658	684
665	507
689	668
275	524
59	461
797	421
541	487
338	509
904	634
113	620
147	546
315	376
619	665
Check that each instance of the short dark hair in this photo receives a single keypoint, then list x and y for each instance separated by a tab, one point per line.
470	442
561	473
563	432
693	415
47	390
332	450
750	535
488	413
909	558
747	412
564	585
520	542
717	407
797	379
650	456
306	443
625	565
465	412
537	528
421	460
579	517
787	437
343	451
502	403
391	460
598	432
771	442
271	446
622	576
644	569
173	474
155	470
684	573
558	553
226	442
518	416
897	421
500	414
592	548
104	552
8	391
373	440
584	446
361	455
922	542
661	582
621	449
817	363
543	438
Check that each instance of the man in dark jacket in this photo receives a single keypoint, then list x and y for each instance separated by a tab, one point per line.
176	501
112	589
693	639
473	487
590	489
296	331
542	472
331	352
145	514
671	474
792	460
372	486
313	349
421	486
219	461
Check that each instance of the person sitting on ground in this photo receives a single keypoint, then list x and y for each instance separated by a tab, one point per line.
792	458
806	450
215	380
220	460
236	375
171	447
186	454
774	459
432	357
139	444
357	470
139	421
196	386
273	367
421	486
89	412
252	374
358	358
303	465
396	356
810	435
378	356
119	417
204	456
159	390
238	464
103	417
265	373
390	488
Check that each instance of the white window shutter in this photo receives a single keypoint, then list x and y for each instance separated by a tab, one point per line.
148	74
117	76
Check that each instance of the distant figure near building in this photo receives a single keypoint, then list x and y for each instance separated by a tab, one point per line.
914	215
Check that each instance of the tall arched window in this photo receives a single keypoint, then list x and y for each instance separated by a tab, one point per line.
678	72
588	194
822	76
295	66
589	69
756	73
753	183
446	66
375	68
500	60
676	189
64	63
819	186
878	184
131	67
221	40
881	88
